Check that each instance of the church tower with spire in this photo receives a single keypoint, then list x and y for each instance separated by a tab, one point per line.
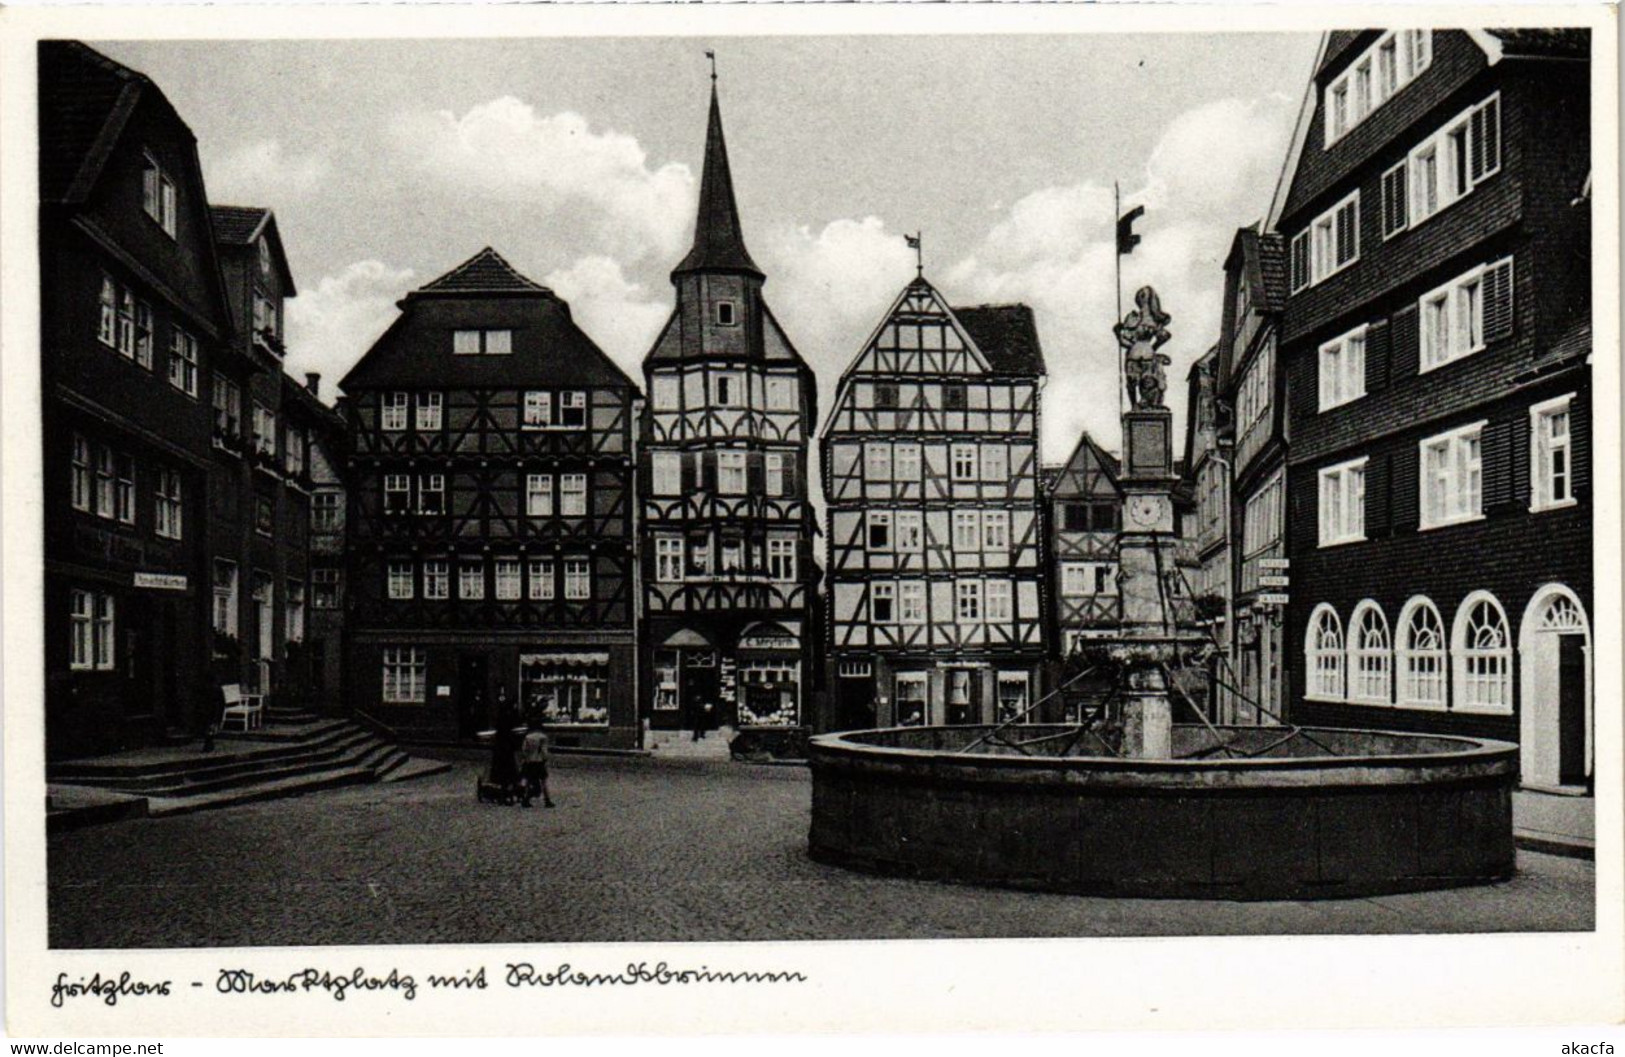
726	529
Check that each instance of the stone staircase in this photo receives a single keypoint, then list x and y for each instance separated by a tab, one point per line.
295	752
680	745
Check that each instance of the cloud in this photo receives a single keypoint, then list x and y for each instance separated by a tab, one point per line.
555	166
1208	174
331	324
262	172
615	313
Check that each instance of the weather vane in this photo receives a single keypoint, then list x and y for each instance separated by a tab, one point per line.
712	55
919	255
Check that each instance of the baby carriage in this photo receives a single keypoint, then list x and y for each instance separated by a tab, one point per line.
500	782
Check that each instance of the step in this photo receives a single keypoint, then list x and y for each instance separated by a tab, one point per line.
229	748
416	767
211	769
311	765
159	807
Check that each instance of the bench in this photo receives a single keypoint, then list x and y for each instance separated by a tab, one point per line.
247	710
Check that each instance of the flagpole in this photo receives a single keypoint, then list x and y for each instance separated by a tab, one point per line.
1117	286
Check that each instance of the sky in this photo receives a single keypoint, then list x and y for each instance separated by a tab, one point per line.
388	163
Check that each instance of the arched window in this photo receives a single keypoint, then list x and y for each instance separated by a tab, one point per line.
1323	649
1421	654
1483	650
1370	660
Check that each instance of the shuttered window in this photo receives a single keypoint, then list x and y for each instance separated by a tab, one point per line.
1394	201
1300	262
1464	315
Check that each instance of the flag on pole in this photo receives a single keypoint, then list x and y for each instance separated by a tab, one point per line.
1126	238
913	241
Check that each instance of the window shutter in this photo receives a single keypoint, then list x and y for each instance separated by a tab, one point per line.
790	475
1404	347
1376	356
1496	456
1402	485
1300	262
1486	131
1498	301
1580	444
1518	453
755	473
689	472
1394	214
1377	473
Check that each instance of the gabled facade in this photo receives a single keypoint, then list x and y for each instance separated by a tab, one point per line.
1085	514
936	551
1207	478
1436	345
1252	386
728	631
489	515
133	320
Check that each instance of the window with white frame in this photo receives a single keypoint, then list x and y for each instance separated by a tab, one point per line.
572	409
183	361
228	407
1452	317
1334	239
1551	454
666	473
538	411
909	695
325	511
431	493
471	580
324	588
540	576
967	531
996	601
911	602
80	481
1342	368
731	473
725	314
1253	396
1323	652
1261	521
399	581
1342	503
573	494
1086	579
124	489
397	493
1452	477
223	612
774	462
727	389
295	456
264	429
107	319
906	462
996	531
1482	648
964	462
1370	659
995	462
1448	165
437	580
781	559
908	527
169	508
1419	650
877	530
882	602
877	463
158	195
1391	63
731	556
81	625
1396	192
430	411
509	579
968	600
538	495
405	675
668	559
105	487
126	324
143	334
1014	694
577	579
294	611
477	342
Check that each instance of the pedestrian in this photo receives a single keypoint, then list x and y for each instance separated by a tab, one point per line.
504	747
702	720
533	753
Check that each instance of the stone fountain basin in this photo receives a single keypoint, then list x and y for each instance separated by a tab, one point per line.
1390	812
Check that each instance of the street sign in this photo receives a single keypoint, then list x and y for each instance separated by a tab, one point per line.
1275	563
161	581
1272	600
1274	581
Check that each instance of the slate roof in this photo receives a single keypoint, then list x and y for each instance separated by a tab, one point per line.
487	272
1568	43
1007	336
237	225
719	242
1338	42
84	100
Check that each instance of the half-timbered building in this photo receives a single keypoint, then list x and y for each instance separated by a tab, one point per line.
1437	342
936	552
727	527
490	515
133	320
1083	516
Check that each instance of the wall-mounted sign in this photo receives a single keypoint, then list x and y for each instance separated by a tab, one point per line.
1274	581
1275	563
1272	600
442	690
161	581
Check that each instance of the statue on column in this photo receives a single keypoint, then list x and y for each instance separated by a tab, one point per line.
1142	332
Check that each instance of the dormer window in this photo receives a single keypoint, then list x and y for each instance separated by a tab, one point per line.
158	195
482	342
725	314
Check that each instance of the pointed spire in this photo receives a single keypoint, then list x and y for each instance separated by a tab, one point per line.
719	244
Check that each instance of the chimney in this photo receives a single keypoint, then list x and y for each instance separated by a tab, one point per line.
313	382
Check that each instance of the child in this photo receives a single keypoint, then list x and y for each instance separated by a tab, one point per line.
533	754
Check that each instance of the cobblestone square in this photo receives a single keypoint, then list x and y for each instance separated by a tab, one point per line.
638	850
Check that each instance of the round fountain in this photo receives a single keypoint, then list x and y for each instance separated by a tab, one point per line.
1125	802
